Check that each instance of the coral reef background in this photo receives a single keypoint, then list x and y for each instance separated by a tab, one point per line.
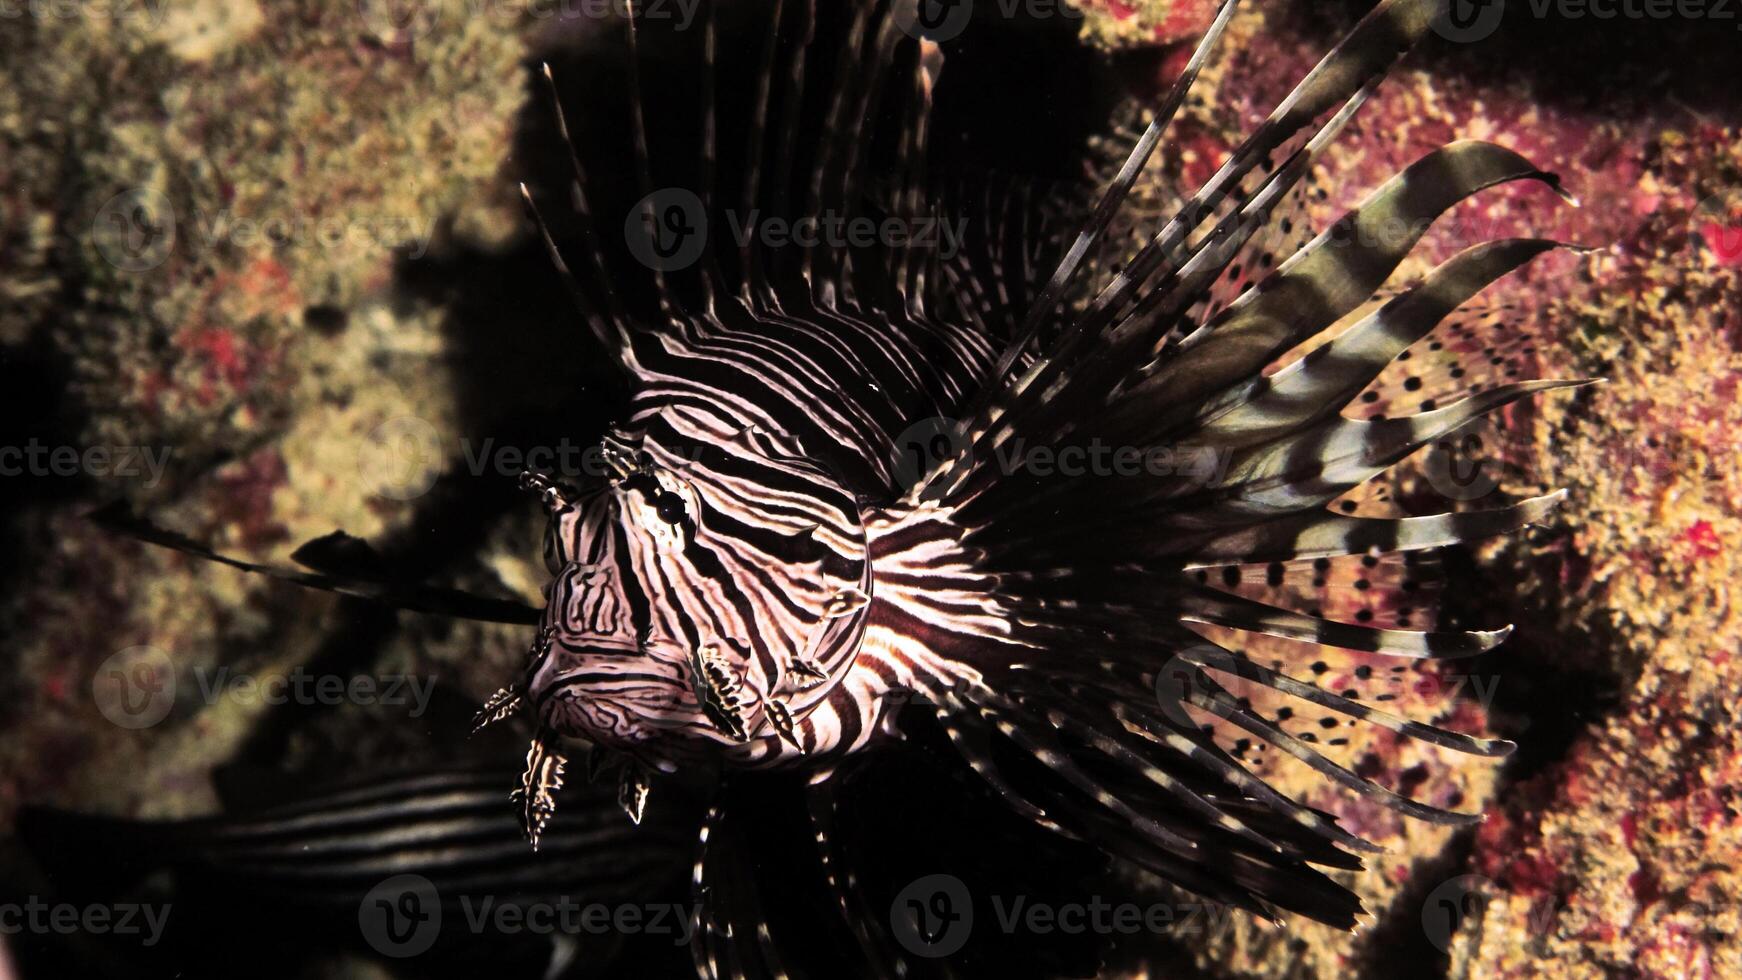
278	248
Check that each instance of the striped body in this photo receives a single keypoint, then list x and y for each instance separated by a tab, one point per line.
720	532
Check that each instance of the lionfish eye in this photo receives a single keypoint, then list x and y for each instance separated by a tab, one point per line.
670	507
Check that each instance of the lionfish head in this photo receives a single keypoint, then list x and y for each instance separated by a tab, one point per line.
698	607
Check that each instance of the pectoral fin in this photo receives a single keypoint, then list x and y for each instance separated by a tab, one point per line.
780	716
536	795
505	702
720	692
633	787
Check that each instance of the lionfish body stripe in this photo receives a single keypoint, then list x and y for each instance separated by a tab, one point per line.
762	583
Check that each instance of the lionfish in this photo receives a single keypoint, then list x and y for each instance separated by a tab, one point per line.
763	579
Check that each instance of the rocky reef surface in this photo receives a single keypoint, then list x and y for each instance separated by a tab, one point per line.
269	258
